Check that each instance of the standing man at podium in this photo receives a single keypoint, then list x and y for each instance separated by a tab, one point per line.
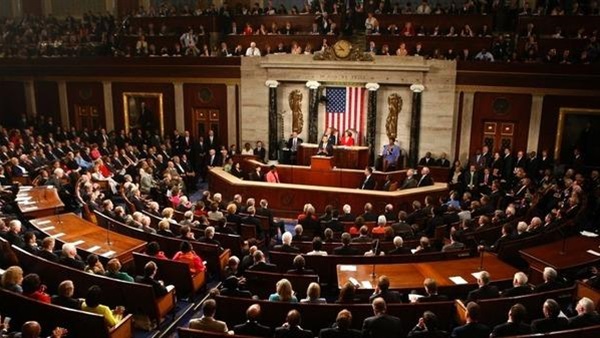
292	145
325	146
332	136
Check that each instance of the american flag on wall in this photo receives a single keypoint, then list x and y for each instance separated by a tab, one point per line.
345	110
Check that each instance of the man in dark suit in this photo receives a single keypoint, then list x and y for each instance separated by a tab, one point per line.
520	286
292	144
47	250
425	179
256	175
211	140
471	179
431	292
251	219
13	236
65	298
148	278
300	267
551	321
260	151
485	290
325	147
369	181
252	327
213	159
286	245
508	165
381	325
260	263
231	288
291	328
345	249
402	228
383	291
586	314
550	283
514	326
70	257
399	249
341	328
347	215
472	329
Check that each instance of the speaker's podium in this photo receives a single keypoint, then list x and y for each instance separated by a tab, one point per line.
319	162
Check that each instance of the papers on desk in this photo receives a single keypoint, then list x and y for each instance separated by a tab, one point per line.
30	208
94	248
413	250
42	222
476	274
366	284
588	234
458	280
413	297
79	242
23	198
108	254
351	268
60	234
354	282
47	228
595	253
27	202
26	188
49	187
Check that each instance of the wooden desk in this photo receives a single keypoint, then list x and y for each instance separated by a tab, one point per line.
88	237
34	202
410	276
344	157
549	255
288	199
321	163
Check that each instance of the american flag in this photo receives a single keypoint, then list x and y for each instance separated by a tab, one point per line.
345	106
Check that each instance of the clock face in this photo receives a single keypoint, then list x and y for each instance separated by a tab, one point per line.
342	48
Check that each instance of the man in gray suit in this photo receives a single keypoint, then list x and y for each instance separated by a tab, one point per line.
410	181
381	325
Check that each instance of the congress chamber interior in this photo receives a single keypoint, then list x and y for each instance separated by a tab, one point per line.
299	169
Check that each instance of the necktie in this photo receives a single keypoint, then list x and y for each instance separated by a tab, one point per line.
471	180
294	145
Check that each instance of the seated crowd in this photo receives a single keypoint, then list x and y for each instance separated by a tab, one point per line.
491	191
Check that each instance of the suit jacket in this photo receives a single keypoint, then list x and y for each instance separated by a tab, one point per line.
263	266
294	332
382	326
517	291
208	324
484	292
409	183
261	153
51	256
471	330
335	332
425	181
368	183
399	251
549	286
328	147
510	329
290	143
159	289
545	325
388	296
433	298
345	251
68	302
586	319
286	248
253	328
71	262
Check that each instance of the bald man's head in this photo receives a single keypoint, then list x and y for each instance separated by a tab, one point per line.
379	305
253	312
31	329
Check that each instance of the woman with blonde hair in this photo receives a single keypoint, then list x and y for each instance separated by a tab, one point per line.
12	279
313	294
284	292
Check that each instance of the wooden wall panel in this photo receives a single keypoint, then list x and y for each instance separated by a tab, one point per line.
125	7
88	94
12	102
486	108
118	88
550	110
211	96
46	99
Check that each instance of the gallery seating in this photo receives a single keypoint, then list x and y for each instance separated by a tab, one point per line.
262	284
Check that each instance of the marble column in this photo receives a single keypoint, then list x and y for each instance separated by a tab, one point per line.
232	117
46	7
371	120
63	101
109	114
179	106
466	126
273	125
415	125
535	122
30	106
313	111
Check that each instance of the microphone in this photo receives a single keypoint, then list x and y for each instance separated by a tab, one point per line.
375	253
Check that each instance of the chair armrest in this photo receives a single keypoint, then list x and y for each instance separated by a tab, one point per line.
461	312
123	329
